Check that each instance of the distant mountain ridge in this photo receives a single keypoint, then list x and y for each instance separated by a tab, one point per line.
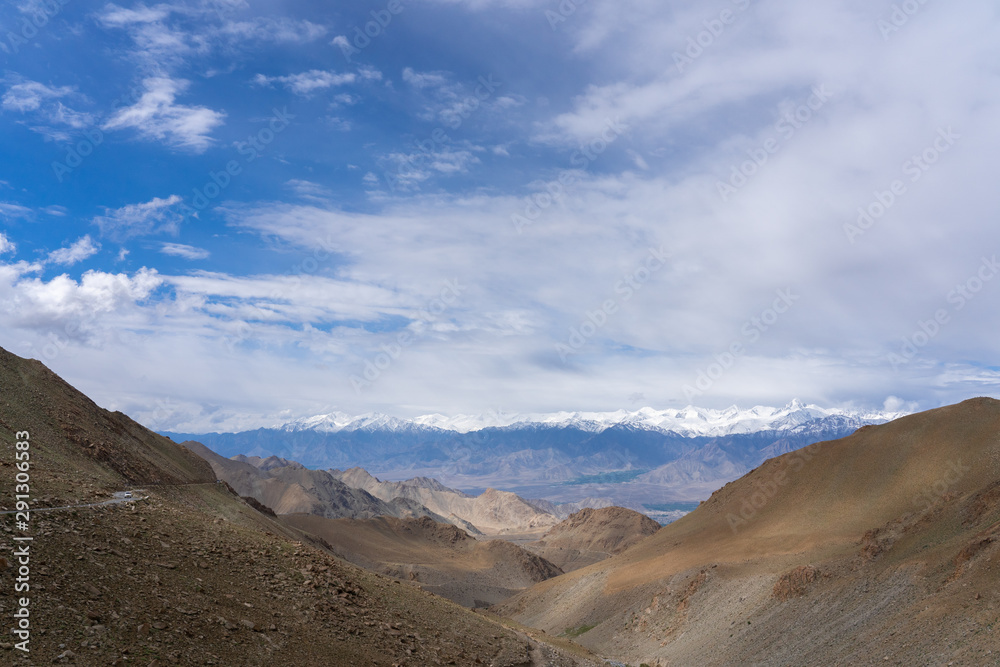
690	421
634	459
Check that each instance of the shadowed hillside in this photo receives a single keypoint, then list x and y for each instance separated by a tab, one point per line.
290	488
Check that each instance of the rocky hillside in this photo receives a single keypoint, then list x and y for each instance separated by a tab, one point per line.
591	535
493	512
288	487
78	442
440	558
879	548
187	572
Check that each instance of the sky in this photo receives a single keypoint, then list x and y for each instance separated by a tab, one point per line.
218	215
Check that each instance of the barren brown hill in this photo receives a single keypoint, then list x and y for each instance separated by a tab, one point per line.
591	535
879	548
82	443
439	557
493	512
187	573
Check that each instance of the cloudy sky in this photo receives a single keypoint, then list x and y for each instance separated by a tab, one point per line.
220	214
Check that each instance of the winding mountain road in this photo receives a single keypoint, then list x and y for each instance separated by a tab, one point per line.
118	497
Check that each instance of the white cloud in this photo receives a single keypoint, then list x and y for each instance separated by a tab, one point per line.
309	190
289	300
80	250
266	29
56	210
897	404
157	216
166	34
306	83
30	95
120	17
156	117
63	115
8	210
424	79
185	251
344	99
406	171
51	117
639	161
6	245
339	124
34	303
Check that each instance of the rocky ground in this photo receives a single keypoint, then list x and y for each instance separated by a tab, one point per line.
194	576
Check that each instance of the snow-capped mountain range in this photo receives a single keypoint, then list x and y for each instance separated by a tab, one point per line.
690	421
643	458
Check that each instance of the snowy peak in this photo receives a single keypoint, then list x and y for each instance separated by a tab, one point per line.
690	421
340	421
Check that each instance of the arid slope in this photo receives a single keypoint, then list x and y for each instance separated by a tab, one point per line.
879	548
493	512
438	557
591	535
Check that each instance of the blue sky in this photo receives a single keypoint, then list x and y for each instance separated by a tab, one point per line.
223	214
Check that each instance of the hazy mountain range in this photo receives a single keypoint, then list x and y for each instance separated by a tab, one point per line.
657	461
